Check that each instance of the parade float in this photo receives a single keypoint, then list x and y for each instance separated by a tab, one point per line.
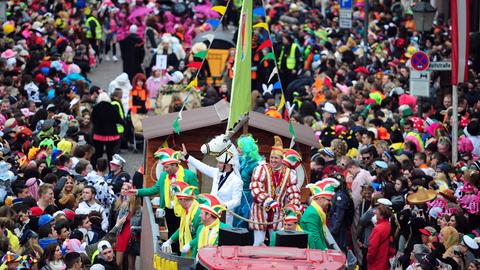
196	127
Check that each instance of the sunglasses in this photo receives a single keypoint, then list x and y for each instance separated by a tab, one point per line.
365	157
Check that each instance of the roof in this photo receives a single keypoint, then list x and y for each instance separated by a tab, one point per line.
161	125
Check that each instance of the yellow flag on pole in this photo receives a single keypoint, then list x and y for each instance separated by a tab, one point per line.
193	83
220	9
282	102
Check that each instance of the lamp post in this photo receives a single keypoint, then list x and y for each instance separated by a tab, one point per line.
423	15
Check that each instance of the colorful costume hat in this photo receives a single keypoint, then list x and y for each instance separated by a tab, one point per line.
167	156
183	190
290	216
277	148
324	188
211	204
292	158
10	258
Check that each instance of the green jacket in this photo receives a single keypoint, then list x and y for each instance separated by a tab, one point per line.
311	223
189	178
193	228
194	242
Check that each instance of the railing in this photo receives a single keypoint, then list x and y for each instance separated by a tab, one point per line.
150	236
150	255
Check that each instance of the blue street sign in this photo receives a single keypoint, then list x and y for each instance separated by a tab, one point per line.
347	4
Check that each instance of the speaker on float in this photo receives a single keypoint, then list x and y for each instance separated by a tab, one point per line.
234	237
292	239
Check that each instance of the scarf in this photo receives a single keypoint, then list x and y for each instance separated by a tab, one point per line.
56	265
185	234
166	189
205	232
323	216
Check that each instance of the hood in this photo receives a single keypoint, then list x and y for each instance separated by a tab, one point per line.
121	81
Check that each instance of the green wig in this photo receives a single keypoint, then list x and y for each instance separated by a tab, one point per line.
248	146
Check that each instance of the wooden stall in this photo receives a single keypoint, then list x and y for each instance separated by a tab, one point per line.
200	125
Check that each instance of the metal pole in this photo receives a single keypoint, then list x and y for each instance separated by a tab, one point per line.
365	34
454	124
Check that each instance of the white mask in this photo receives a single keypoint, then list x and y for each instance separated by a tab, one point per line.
374	219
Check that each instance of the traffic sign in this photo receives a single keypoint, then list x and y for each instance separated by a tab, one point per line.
345	20
420	61
420	83
345	23
346	4
345	14
440	66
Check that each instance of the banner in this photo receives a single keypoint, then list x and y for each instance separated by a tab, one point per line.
460	39
241	97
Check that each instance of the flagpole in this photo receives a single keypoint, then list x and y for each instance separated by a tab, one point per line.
454	124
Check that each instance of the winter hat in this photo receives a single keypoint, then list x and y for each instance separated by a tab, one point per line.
177	77
103	97
329	107
133	29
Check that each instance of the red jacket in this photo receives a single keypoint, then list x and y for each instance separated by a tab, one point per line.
378	246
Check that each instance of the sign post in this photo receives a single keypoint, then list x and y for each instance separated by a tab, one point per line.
345	20
420	78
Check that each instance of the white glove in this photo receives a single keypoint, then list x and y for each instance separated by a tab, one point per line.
185	248
167	246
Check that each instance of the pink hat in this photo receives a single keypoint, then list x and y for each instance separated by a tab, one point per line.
465	145
8	54
73	68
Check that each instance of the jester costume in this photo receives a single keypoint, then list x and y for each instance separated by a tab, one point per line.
314	219
207	235
162	187
189	219
248	161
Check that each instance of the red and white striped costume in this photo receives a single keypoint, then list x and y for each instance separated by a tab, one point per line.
264	191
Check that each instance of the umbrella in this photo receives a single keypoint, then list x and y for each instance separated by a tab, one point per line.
207	11
139	12
298	85
222	40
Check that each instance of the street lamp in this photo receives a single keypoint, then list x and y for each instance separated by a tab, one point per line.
423	15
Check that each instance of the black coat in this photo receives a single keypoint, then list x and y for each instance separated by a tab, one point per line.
133	53
104	119
108	265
